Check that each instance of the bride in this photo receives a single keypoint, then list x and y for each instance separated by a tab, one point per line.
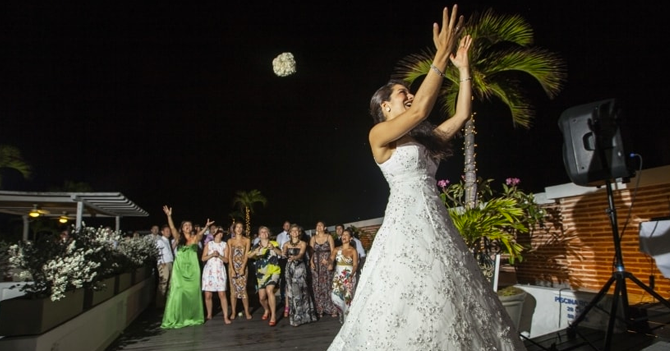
421	288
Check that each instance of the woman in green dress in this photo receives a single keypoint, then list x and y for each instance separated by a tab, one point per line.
184	300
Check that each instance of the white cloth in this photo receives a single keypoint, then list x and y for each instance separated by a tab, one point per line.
359	247
283	238
654	241
164	250
421	288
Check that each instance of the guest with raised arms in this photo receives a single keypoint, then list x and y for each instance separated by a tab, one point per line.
184	300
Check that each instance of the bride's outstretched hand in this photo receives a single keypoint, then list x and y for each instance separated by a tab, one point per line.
446	36
461	58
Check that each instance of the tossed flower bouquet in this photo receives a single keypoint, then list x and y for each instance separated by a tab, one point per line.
284	64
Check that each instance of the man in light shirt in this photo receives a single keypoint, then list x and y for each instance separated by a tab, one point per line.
283	237
153	236
165	259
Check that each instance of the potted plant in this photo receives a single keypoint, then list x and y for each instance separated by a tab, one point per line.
512	298
491	227
139	255
68	273
58	269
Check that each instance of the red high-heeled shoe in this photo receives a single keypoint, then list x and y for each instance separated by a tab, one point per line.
272	323
265	315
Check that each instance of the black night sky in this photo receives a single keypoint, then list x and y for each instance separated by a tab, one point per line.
178	104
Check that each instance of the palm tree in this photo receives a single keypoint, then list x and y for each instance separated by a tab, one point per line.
10	157
500	57
245	201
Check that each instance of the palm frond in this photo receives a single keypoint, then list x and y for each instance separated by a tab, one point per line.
543	66
519	107
493	221
490	28
247	199
10	157
414	66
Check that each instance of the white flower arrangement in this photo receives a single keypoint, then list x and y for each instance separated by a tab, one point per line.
71	271
284	64
138	250
90	256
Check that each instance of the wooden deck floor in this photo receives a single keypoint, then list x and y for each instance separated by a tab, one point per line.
248	335
255	335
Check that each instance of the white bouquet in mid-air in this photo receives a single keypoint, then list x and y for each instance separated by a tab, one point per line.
284	64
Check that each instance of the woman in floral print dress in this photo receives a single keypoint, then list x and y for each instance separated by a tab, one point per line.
215	256
238	248
322	279
345	261
301	306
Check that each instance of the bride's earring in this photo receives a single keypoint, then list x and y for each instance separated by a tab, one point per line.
388	109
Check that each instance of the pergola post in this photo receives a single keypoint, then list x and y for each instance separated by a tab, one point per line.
80	213
26	227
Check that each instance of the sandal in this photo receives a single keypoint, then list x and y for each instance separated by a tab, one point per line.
265	315
286	311
272	323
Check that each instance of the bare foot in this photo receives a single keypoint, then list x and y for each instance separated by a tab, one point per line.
209	317
227	321
248	316
232	316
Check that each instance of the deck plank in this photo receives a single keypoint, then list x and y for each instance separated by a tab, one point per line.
251	335
145	334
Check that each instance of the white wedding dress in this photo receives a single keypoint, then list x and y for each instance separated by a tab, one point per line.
421	288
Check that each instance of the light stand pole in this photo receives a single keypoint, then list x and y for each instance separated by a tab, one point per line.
619	277
593	153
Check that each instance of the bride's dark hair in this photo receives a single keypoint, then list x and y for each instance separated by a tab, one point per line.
437	145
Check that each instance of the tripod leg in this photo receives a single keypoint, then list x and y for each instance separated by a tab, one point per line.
619	291
648	290
591	304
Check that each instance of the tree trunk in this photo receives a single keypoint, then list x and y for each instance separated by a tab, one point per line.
248	218
470	167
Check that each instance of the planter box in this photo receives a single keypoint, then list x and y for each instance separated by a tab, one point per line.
514	306
26	316
123	282
93	297
140	274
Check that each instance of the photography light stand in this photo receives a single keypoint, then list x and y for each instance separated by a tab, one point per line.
618	278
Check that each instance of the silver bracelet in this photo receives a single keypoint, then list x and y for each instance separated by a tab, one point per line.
465	80
437	70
